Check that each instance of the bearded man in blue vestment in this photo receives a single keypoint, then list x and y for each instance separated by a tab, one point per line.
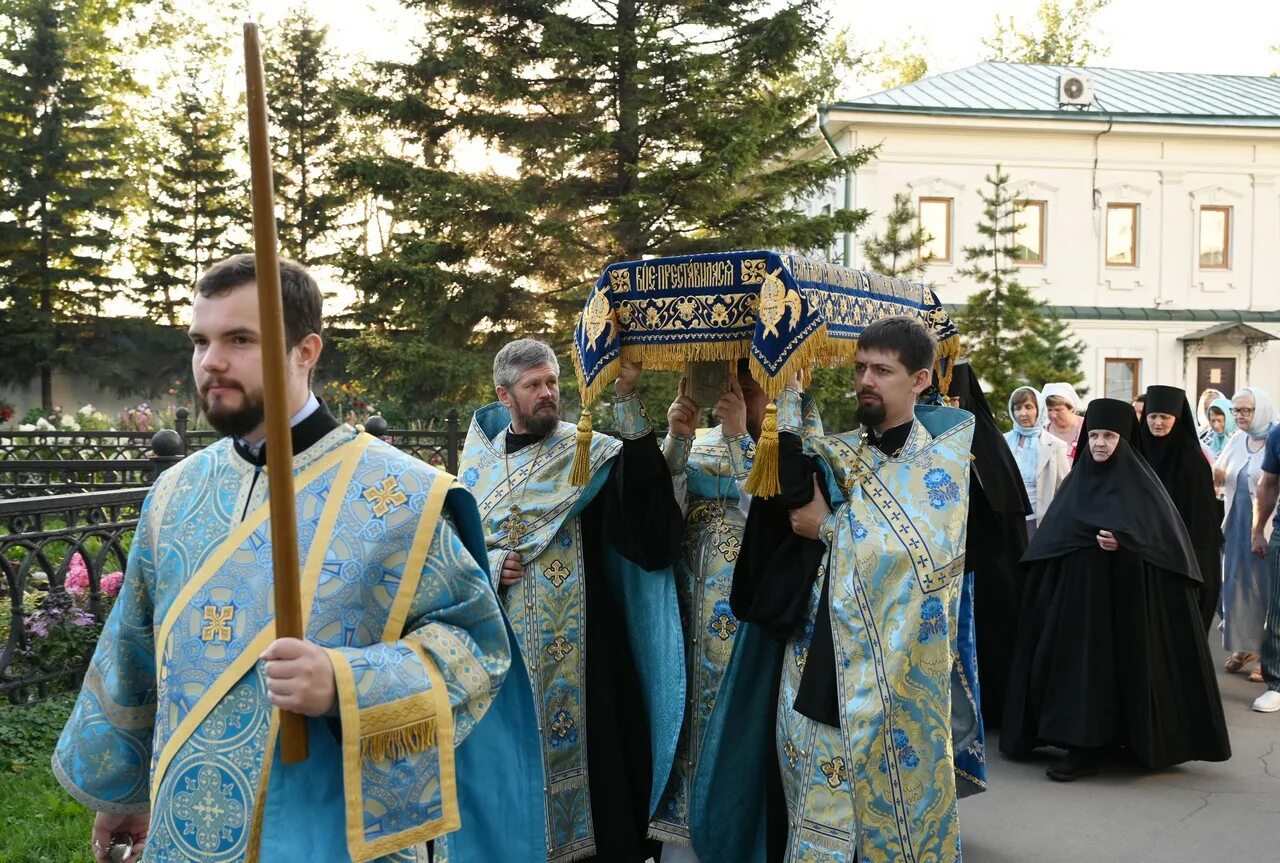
173	740
584	573
850	582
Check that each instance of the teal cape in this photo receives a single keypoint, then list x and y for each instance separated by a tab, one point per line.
500	763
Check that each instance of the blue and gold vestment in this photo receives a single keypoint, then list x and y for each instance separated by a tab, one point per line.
528	506
707	472
880	787
174	717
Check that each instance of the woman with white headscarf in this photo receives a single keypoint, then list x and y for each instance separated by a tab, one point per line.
1062	420
1245	592
1042	458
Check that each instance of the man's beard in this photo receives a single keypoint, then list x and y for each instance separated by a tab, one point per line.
871	414
539	422
236	422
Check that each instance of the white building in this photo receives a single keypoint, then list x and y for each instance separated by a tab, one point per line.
1151	213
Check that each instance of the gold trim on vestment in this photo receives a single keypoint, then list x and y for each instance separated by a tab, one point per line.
403	726
412	575
254	851
350	457
237	537
359	848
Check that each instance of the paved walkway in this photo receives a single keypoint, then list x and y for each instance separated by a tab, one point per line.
1197	812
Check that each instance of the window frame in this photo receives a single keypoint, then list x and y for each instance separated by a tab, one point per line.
1042	205
1133	238
1135	367
950	205
1225	209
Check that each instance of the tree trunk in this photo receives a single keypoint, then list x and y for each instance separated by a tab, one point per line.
628	231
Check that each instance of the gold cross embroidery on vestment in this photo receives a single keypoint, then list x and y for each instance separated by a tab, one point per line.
217	622
385	495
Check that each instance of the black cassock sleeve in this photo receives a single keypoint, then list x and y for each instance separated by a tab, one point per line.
641	517
773	579
776	567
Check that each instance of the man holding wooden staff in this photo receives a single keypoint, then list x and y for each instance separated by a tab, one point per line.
174	738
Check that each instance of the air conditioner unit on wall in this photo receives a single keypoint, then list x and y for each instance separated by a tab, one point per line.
1075	90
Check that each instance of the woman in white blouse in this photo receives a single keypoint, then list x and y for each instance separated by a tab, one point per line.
1042	458
1244	575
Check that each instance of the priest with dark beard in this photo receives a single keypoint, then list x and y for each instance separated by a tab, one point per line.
584	574
1168	441
1110	650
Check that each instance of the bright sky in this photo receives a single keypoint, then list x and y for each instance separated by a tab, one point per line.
1224	36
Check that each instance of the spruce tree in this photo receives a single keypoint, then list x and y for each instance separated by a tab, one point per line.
631	129
197	205
1010	337
897	251
62	137
307	136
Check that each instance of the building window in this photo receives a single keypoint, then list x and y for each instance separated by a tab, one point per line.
1028	239
1215	238
1122	379
935	220
1122	235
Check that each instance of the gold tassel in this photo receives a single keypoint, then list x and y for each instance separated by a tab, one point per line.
763	481
400	742
582	455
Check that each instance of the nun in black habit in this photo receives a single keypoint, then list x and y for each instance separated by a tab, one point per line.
1178	459
1110	651
997	537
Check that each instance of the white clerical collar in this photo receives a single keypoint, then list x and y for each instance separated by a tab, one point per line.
312	405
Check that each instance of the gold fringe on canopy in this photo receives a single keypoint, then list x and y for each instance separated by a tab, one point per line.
581	471
763	480
819	349
399	742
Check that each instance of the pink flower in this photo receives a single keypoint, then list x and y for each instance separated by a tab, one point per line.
111	583
77	581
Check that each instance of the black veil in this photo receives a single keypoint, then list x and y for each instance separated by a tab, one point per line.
1122	495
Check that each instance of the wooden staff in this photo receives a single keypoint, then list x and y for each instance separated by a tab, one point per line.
284	520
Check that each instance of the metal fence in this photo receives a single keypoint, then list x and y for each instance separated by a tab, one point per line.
50	626
63	462
43	528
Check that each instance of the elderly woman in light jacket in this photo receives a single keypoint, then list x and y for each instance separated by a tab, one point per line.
1245	589
1042	458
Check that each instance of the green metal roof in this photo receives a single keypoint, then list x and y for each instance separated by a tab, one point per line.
1246	332
1137	313
1029	91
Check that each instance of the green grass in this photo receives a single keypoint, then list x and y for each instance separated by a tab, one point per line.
39	822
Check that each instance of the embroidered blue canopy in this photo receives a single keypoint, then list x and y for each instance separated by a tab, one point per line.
785	313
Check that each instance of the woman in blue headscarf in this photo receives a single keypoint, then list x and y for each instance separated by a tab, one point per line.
1042	458
1218	428
1245	591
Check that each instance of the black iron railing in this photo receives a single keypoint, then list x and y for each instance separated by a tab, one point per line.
59	551
35	477
97	445
437	447
55	553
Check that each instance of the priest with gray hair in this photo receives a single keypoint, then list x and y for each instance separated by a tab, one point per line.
583	571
